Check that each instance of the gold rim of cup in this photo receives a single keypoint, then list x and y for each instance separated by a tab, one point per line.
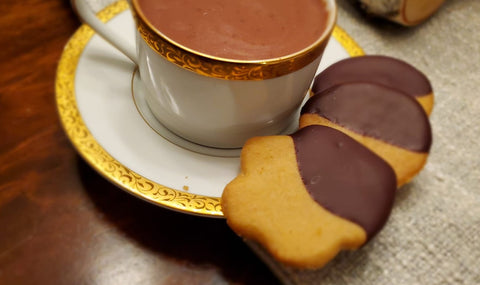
229	69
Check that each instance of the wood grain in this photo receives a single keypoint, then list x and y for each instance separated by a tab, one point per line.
61	222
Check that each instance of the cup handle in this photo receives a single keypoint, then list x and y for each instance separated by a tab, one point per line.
87	15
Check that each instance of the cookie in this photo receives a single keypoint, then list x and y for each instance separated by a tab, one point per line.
306	196
387	121
383	70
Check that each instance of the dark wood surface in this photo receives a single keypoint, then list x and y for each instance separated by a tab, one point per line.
61	222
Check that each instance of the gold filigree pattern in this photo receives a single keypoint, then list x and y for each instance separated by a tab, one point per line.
94	154
104	163
221	68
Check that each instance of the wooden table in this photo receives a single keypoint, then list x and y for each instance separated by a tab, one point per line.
61	222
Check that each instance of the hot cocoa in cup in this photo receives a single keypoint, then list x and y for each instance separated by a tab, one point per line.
241	30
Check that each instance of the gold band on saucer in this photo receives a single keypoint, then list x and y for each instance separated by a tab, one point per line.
224	68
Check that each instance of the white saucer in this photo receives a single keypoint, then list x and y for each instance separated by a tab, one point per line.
94	88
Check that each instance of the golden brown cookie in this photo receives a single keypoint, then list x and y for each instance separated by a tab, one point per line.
388	122
383	70
307	196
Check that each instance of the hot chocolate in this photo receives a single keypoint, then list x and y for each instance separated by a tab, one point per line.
241	30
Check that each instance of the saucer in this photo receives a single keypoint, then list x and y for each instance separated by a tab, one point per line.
99	100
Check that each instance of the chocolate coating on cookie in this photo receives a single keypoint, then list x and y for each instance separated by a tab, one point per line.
377	69
344	177
375	111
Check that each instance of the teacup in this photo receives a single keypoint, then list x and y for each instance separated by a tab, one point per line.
216	98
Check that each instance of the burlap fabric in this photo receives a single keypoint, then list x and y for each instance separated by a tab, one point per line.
433	235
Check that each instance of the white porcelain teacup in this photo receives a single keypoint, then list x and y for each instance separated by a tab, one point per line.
211	100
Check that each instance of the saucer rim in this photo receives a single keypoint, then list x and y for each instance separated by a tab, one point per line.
99	159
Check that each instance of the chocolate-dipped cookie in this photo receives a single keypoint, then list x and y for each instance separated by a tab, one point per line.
387	121
307	196
383	70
